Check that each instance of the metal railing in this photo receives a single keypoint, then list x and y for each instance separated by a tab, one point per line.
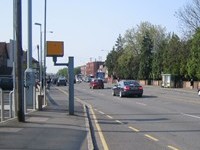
12	105
8	108
2	104
8	105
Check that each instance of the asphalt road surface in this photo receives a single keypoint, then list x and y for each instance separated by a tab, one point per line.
161	119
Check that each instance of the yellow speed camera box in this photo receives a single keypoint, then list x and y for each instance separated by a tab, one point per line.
55	48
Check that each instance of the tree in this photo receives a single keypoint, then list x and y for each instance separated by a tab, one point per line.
125	65
62	72
145	66
193	62
133	41
111	62
189	17
184	53
77	70
157	62
134	37
174	47
112	58
119	44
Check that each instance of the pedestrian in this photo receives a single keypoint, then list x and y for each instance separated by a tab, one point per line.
192	83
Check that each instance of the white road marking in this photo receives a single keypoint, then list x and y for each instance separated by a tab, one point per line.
151	137
109	116
143	104
119	121
171	147
101	112
134	129
193	116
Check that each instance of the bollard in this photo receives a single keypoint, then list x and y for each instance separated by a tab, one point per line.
40	101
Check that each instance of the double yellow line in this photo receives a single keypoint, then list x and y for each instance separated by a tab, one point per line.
103	141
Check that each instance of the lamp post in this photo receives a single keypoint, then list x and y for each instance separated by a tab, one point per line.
45	49
39	24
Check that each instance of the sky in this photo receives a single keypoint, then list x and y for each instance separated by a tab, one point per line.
88	28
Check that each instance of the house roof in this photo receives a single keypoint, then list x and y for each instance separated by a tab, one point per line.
25	58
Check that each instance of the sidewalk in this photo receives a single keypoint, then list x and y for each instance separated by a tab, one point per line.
50	129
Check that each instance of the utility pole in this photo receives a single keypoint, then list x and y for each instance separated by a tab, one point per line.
40	25
19	74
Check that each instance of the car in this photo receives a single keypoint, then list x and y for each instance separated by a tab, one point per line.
127	88
6	83
96	84
61	81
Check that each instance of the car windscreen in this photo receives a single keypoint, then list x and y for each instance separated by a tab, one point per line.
131	83
62	80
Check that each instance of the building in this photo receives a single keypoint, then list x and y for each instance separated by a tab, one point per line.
6	59
93	67
83	70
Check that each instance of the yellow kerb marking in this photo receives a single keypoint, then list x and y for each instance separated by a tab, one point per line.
104	144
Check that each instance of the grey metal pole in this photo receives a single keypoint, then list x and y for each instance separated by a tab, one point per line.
71	85
29	74
14	54
29	56
45	50
39	24
40	59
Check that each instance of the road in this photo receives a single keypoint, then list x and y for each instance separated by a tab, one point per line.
162	119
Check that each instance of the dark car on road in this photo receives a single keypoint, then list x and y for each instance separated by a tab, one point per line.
6	83
61	81
96	84
127	88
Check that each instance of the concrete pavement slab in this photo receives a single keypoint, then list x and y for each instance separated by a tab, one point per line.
50	129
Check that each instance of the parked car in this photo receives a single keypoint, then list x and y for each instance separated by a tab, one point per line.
127	88
96	84
6	83
61	81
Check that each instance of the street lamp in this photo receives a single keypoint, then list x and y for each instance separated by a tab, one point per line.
45	48
39	24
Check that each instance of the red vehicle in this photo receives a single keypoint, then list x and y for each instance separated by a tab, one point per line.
96	84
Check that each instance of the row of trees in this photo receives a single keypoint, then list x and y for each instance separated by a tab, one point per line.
147	51
64	72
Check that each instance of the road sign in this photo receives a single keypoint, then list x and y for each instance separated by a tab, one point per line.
55	48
